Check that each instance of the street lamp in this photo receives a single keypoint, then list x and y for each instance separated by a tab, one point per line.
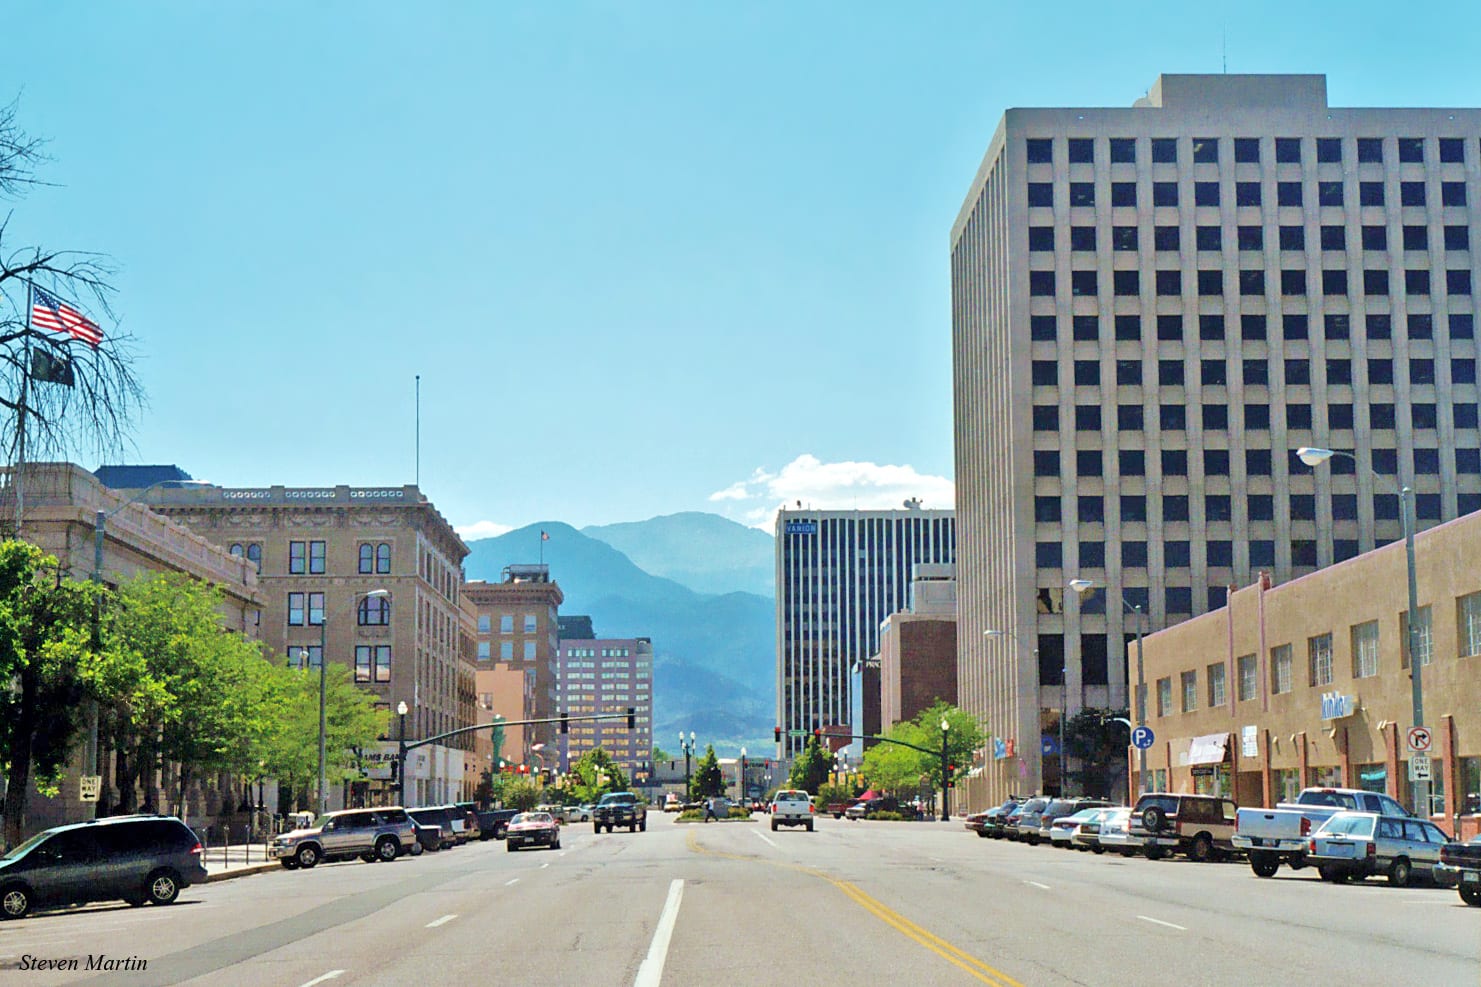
1083	586
1312	456
945	767
401	752
687	746
323	663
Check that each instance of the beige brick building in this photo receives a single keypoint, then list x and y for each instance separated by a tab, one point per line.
1307	683
518	628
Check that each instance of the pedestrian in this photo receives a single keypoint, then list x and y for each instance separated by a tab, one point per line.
712	808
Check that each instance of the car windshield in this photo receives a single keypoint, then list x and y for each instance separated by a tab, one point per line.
530	817
21	850
1034	805
1343	824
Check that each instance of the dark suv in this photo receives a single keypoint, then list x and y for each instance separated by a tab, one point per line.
137	858
1202	826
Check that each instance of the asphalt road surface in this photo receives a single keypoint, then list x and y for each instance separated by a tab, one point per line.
855	903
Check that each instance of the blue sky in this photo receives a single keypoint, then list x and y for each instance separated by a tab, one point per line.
647	257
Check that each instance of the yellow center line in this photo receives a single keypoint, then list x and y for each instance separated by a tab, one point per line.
958	958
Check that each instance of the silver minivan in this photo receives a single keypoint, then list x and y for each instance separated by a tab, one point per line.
1361	844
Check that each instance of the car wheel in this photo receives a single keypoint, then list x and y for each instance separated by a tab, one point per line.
509	847
773	826
643	825
135	901
289	863
500	830
809	825
1263	865
596	827
15	901
307	856
416	849
1471	896
557	844
163	887
1333	874
1202	849
369	857
1152	851
1128	851
1097	850
1154	817
387	849
1400	872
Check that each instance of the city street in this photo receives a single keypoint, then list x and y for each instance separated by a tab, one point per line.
736	903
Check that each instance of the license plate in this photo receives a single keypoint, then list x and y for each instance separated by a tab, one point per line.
1259	841
1470	876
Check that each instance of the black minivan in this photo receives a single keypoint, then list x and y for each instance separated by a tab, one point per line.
140	859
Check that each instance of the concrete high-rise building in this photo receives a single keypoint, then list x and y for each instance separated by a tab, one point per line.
839	574
1153	308
518	628
606	675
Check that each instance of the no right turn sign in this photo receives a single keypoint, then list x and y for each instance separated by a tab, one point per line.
1419	740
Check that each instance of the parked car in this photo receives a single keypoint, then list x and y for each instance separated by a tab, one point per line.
1026	828
429	837
436	817
1357	845
140	859
1064	807
533	829
577	813
489	824
672	803
370	834
1063	829
1115	832
976	823
1271	837
995	819
868	808
1460	865
1202	826
1087	835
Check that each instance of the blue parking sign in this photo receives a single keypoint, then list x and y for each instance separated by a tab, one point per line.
1142	738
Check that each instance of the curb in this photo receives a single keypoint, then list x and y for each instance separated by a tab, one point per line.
226	875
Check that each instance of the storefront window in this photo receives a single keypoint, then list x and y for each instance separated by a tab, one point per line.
1324	777
1372	777
1470	784
1287	784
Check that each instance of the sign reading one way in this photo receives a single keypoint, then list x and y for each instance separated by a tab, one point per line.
1419	767
89	788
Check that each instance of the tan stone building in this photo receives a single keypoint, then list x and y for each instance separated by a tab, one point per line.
1307	683
518	628
372	578
917	647
63	504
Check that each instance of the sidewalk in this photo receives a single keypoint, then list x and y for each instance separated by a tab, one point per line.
224	863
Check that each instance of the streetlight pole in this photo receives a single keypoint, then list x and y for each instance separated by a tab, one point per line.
742	793
1315	457
323	687
687	746
945	769
401	752
1083	586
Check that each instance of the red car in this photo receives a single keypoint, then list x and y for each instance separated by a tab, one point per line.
532	829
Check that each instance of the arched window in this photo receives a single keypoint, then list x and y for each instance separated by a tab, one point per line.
254	555
375	611
383	558
367	558
236	548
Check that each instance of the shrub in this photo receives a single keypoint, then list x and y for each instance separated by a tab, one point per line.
889	816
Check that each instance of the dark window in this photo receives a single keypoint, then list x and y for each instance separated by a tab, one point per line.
1085	327
1262	553
1174	417
1338	326
1375	282
1370	193
1169	282
1165	238
1180	599
1087	418
1128	327
1344	507
1257	417
1411	193
1427	507
1205	150
1379	326
1298	416
1046	418
1210	282
367	559
1175	508
1091	510
1458	282
1205	193
374	611
1039	150
1416	238
1040	194
1452	150
1427	461
1380	371
1082	238
1220	552
1164	150
1453	193
1334	282
1411	148
1123	238
1041	328
1216	462
1422	326
1421	371
1088	462
1126	283
1250	238
1288	150
1465	415
1046	462
1082	193
1051	659
1258	462
1247	150
1087	373
1370	150
1463	371
1334	238
1123	150
1303	552
1256	372
1218	507
1082	150
1041	238
1381	415
1457	238
1174	462
1294	326
1128	372
1246	193
1329	193
1170	327
1340	417
1046	509
1386	460
1208	238
1094	653
1041	282
1214	373
1132	462
1251	327
1048	555
1129	418
1468	461
1375	238
1251	282
1046	372
1211	327
1178	554
1298	371
1423	415
1417	282
1093	554
1329	149
1288	193
1134	554
1292	238
1261	507
1164	193
1215	417
1123	193
1170	373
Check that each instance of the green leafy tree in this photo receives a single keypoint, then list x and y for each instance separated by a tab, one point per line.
291	748
899	769
1094	739
593	775
659	754
895	769
964	736
810	768
521	794
829	794
707	779
45	632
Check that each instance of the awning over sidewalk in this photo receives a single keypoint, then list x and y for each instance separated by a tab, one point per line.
1209	749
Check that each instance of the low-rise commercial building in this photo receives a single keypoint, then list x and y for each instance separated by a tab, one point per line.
1308	683
917	648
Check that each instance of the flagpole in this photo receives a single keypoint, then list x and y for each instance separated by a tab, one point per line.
20	440
419	431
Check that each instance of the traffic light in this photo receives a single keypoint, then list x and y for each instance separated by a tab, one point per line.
565	723
951	776
632	717
778	732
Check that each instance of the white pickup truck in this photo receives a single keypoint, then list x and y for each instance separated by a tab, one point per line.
791	807
1271	837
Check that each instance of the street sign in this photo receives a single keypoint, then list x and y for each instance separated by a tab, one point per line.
1419	767
90	786
1142	738
1419	740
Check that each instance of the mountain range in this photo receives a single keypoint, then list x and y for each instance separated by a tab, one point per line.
698	585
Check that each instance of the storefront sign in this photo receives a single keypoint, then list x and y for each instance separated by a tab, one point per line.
1335	705
1203	771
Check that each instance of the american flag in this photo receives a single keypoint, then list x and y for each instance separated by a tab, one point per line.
51	313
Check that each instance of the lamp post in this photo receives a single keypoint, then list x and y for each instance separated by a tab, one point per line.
1083	586
945	768
1315	457
323	686
687	746
742	793
401	752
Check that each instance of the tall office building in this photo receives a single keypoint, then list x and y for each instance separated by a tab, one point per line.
839	574
517	628
605	675
1152	309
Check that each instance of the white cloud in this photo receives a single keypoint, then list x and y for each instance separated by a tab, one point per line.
831	486
482	529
